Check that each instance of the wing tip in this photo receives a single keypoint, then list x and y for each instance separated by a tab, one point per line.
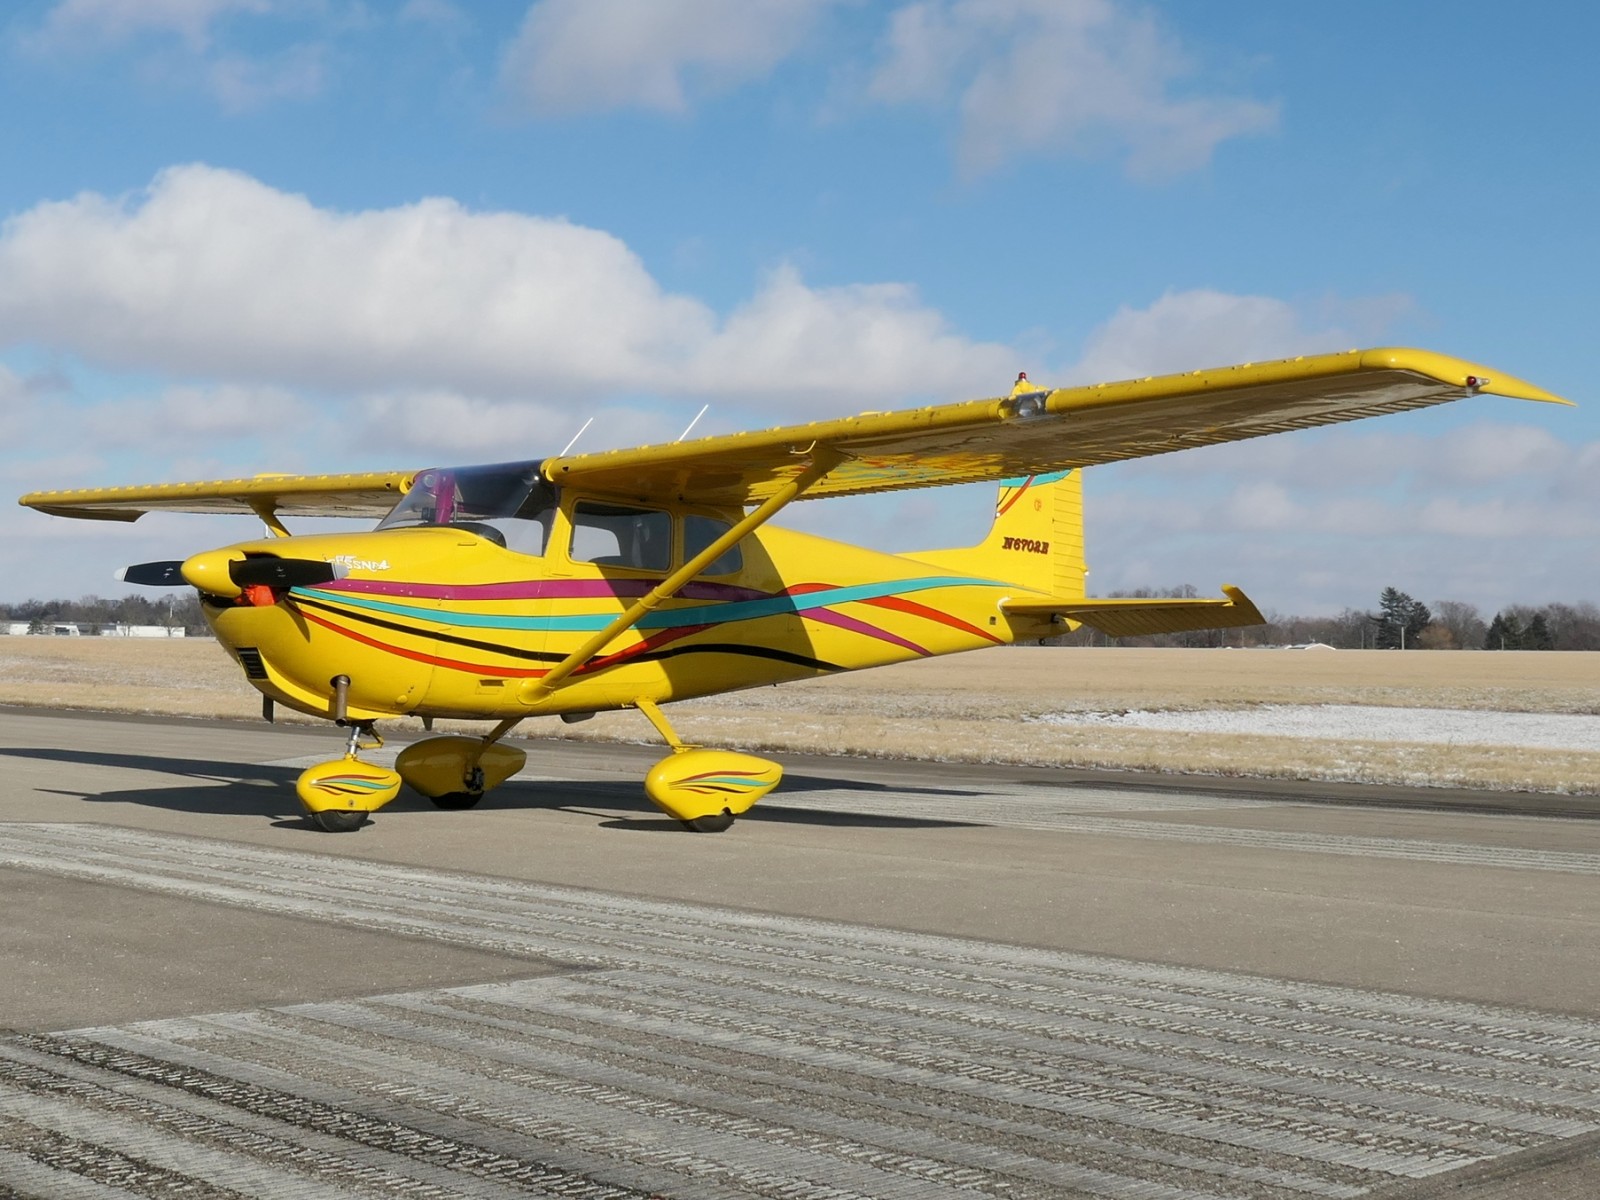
1459	372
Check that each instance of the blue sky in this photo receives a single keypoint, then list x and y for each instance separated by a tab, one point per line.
321	235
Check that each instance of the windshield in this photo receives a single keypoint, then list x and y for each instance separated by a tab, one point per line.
509	503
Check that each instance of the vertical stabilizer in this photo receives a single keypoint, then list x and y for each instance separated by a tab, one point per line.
1036	540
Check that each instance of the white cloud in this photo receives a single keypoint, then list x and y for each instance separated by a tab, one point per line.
1313	521
242	84
1183	331
574	56
1049	76
212	273
876	343
440	426
238	81
76	24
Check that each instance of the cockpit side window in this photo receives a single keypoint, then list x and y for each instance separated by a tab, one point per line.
618	535
699	532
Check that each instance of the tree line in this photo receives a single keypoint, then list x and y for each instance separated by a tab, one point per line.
178	610
1398	622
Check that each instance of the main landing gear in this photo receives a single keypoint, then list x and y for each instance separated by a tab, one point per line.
704	789
452	770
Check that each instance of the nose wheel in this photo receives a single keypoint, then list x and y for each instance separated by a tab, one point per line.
715	823
332	821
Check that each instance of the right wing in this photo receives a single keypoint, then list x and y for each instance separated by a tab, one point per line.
1039	432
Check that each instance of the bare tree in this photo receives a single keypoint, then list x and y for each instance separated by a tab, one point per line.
1463	621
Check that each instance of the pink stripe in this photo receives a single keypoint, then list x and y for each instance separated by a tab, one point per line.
538	589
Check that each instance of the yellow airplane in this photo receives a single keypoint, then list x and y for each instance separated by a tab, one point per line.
632	578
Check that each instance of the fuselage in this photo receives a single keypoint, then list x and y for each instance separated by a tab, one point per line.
441	620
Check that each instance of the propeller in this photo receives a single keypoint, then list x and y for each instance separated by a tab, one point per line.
153	574
263	569
284	572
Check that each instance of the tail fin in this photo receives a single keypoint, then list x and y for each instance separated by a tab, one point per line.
1036	540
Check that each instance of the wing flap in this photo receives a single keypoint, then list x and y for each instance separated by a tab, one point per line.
370	494
999	438
1134	617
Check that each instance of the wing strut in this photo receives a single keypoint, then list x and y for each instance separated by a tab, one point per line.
823	460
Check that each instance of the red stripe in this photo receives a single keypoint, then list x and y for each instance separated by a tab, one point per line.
418	656
912	608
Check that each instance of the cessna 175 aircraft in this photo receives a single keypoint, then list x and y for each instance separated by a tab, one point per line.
631	578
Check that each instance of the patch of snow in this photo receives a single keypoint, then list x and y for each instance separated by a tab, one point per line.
1363	723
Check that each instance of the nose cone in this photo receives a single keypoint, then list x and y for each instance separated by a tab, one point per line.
209	572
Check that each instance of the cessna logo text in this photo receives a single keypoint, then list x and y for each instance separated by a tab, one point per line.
1028	545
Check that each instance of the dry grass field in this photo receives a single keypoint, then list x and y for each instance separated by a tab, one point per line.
976	708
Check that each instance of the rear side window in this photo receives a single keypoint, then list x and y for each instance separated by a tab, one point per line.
616	535
700	532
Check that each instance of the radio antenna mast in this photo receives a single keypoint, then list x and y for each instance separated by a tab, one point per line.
576	436
692	423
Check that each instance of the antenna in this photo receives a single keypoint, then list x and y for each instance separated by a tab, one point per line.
692	423
576	436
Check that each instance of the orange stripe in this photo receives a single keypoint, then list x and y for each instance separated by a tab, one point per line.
1015	496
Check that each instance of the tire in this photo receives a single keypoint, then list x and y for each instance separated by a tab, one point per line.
337	820
456	801
715	823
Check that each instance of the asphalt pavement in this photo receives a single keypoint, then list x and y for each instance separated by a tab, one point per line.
890	979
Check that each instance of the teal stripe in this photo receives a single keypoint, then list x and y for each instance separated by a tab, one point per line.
676	618
1038	480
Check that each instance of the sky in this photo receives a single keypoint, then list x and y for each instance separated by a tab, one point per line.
306	236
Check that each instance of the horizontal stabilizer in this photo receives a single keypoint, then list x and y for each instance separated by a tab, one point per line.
1137	616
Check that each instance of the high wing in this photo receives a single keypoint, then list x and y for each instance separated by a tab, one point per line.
370	494
1010	436
976	441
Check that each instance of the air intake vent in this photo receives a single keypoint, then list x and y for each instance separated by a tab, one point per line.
250	659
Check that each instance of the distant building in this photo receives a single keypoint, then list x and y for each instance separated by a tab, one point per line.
67	629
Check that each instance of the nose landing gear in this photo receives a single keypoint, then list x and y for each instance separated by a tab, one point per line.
340	795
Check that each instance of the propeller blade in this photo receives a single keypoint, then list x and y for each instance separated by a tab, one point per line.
284	572
153	574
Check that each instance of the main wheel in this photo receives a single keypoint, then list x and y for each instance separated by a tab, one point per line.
337	820
715	823
456	801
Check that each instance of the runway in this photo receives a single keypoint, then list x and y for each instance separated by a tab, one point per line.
891	980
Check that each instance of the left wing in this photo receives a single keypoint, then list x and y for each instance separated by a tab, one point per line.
370	494
1031	434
